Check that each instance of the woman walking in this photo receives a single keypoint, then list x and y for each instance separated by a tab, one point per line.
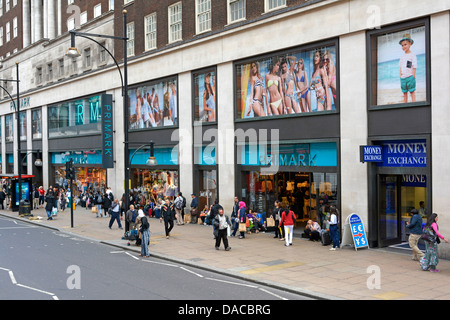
431	259
288	218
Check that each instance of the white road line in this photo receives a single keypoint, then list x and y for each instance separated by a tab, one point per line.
198	275
13	280
235	283
275	295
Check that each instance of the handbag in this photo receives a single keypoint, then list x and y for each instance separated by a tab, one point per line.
242	227
270	222
428	235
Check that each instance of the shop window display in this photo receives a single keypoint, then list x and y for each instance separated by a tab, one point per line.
155	184
301	190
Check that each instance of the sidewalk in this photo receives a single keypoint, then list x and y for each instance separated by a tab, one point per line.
306	267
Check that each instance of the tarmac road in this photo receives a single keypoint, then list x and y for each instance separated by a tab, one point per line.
38	263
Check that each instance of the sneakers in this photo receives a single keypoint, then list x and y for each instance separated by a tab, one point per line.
332	249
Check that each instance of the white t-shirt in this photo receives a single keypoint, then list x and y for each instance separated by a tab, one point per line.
408	62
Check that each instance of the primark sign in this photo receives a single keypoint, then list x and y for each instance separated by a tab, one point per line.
407	153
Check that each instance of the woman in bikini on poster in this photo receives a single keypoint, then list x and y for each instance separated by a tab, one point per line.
288	83
319	81
331	73
209	99
304	95
273	87
257	92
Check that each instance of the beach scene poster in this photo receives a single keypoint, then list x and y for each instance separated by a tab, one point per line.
205	99
401	67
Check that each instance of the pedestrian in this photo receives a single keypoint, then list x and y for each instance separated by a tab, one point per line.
167	214
51	202
222	223
115	214
145	237
2	198
41	196
288	218
130	218
235	216
431	259
98	202
242	217
194	209
106	205
276	215
213	213
415	229
36	195
334	231
178	203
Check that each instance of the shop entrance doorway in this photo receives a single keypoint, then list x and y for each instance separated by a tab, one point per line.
397	196
301	190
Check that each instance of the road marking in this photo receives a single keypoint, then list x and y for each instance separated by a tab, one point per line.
14	281
275	295
197	274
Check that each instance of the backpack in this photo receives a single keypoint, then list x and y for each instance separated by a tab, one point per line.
179	203
99	199
133	218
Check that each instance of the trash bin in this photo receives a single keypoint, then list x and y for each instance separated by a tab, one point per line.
24	207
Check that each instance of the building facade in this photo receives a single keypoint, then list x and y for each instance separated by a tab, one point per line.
262	100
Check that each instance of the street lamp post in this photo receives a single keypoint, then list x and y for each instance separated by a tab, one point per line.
74	52
17	108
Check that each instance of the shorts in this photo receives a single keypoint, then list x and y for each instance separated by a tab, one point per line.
408	84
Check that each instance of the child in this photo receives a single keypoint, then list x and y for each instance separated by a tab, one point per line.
408	67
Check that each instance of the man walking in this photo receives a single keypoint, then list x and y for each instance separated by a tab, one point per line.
415	228
167	213
221	223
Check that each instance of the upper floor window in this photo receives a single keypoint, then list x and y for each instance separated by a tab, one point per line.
236	10
130	42
274	4
203	10
150	31
98	10
15	28
175	20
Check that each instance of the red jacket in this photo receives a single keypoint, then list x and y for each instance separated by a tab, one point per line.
289	219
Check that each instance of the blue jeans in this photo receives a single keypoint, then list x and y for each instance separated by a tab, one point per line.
145	238
334	234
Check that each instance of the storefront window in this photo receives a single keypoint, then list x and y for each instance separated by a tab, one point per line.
207	188
303	80
300	190
156	184
9	128
205	98
23	126
82	116
36	116
154	105
87	179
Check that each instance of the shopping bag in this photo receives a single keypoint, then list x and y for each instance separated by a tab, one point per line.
242	227
94	209
187	218
54	212
270	222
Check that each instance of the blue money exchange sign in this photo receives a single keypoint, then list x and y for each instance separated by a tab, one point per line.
358	232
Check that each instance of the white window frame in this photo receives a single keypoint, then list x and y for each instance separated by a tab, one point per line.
83	17
230	13
175	26
150	31
1	36
8	32
267	7
15	28
96	10
130	42
205	25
